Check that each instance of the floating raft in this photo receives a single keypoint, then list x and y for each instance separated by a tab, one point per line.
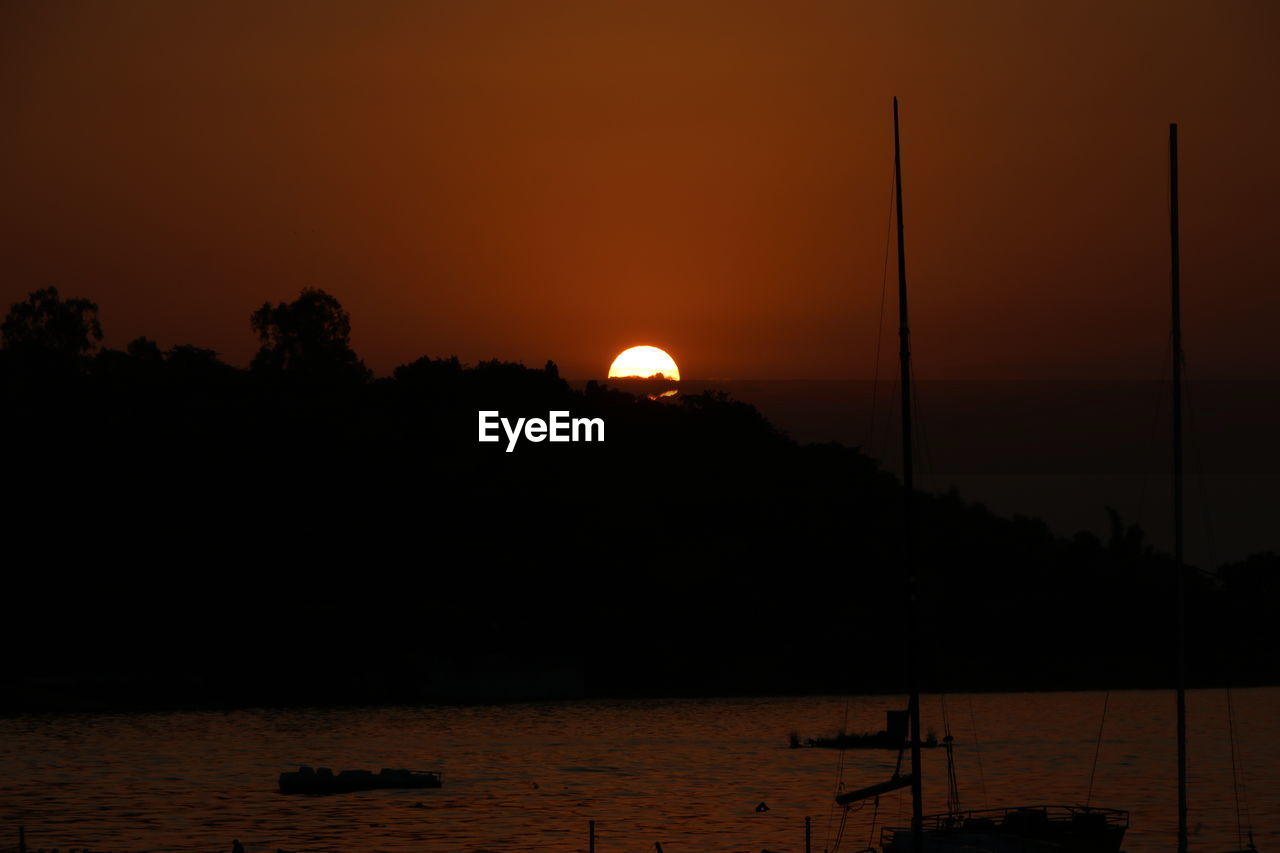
324	781
894	736
879	740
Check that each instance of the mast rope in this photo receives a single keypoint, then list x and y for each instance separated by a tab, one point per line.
1097	748
884	284
953	789
831	809
1197	460
1240	793
924	459
871	836
1158	407
890	422
977	748
1244	825
844	822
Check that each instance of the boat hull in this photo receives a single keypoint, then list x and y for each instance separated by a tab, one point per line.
1027	829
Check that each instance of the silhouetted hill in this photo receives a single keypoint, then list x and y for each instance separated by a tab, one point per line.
183	531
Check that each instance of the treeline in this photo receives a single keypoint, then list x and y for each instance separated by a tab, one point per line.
183	531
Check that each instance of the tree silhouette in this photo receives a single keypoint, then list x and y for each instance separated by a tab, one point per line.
699	493
47	325
308	337
145	349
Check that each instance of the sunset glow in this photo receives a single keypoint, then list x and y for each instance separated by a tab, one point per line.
643	362
310	286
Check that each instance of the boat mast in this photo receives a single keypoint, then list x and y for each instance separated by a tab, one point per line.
904	356
1181	675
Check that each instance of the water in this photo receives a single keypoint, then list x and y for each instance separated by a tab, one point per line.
687	773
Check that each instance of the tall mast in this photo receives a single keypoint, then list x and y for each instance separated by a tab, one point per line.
1181	675
913	660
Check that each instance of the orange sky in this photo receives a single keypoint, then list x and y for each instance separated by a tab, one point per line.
563	180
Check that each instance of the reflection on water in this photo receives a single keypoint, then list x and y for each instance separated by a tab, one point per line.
687	773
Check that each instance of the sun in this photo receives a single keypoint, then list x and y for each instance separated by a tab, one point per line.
644	363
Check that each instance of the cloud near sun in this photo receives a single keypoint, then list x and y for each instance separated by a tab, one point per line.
643	362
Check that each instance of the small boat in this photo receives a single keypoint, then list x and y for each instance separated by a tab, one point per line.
306	780
859	740
1050	828
894	736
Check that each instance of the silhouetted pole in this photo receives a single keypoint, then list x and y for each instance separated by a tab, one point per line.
1181	675
908	509
591	836
808	834
22	839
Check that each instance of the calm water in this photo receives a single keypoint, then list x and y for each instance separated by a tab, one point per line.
686	773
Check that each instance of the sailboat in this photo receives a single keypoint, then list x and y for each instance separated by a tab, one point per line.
1180	687
1019	829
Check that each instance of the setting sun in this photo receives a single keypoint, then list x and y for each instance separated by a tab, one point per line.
644	363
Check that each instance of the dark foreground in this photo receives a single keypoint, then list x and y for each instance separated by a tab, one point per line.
186	533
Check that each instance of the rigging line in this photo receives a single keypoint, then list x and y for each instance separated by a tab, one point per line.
1235	776
844	824
871	835
881	449
1239	791
1197	460
1238	785
893	422
844	821
977	749
1106	699
953	788
831	808
1158	406
924	457
884	283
